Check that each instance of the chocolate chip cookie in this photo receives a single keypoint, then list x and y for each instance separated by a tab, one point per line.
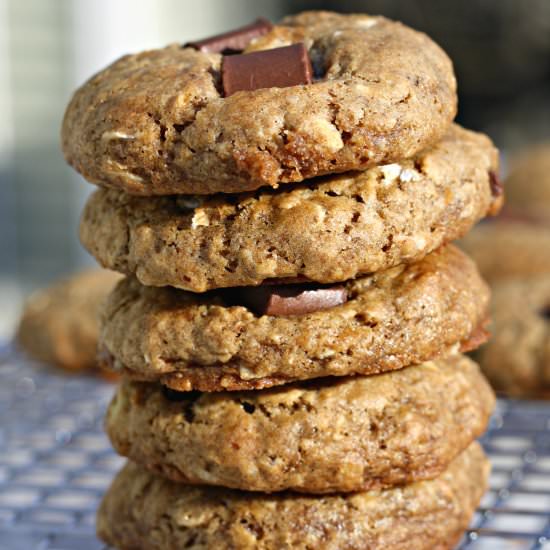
512	247
329	229
528	185
165	122
144	512
219	340
517	358
322	436
59	324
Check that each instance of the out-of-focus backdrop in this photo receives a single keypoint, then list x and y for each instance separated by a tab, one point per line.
501	50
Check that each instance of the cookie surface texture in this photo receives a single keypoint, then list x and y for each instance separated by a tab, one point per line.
157	122
323	436
327	230
143	512
392	319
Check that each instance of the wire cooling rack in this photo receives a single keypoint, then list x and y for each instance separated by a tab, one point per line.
55	462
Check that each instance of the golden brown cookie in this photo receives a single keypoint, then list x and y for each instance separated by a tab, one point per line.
512	247
157	122
391	319
59	324
322	436
528	185
517	358
327	230
144	512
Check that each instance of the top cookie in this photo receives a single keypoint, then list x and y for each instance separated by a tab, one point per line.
157	122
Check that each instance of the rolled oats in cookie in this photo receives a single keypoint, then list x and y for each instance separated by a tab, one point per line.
212	341
326	230
144	512
517	358
322	436
158	122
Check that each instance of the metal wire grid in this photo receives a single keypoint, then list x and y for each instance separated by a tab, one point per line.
55	463
515	513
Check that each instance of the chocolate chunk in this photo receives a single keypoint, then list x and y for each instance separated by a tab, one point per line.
276	68
291	300
233	41
496	186
545	313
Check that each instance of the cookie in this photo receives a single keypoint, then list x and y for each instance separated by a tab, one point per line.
517	358
528	185
330	229
59	324
509	248
144	512
157	122
391	319
322	436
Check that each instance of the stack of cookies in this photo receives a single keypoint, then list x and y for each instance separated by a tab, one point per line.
280	198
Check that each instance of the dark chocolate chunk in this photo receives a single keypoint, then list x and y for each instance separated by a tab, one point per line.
545	313
292	299
496	186
233	41
276	68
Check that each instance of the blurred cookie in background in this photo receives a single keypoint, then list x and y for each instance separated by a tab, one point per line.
513	254
517	357
516	242
528	185
511	246
59	324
